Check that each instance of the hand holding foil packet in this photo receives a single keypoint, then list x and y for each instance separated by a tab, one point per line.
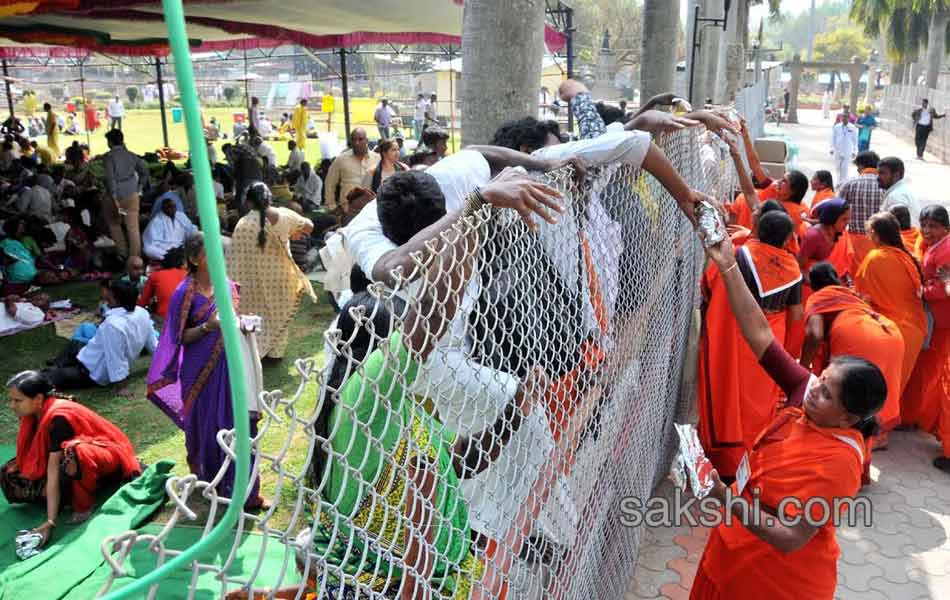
710	224
697	466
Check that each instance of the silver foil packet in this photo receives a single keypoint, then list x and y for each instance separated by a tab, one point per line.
710	223
28	543
697	466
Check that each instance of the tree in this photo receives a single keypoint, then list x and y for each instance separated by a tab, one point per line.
794	31
229	93
660	28
841	44
904	23
936	38
502	50
622	18
132	92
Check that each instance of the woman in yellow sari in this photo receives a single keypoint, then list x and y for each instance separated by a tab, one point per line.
52	131
890	279
259	260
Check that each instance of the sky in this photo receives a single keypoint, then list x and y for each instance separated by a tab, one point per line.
757	12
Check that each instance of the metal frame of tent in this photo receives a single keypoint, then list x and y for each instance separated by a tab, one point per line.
560	17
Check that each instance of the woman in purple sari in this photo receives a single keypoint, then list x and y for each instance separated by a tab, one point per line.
188	378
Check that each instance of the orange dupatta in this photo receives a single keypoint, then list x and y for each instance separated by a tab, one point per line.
737	398
890	278
859	331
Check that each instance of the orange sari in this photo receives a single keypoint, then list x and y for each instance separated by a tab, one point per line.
913	242
737	398
793	457
820	196
889	277
927	398
859	331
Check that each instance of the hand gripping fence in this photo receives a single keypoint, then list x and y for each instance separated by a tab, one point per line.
475	428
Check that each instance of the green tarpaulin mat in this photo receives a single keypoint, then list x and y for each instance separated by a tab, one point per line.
176	586
74	552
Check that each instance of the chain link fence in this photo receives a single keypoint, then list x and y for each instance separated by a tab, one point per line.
478	427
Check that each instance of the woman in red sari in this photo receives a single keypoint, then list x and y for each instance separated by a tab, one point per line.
63	450
927	398
92	116
812	451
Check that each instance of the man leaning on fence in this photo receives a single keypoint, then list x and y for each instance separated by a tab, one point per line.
924	117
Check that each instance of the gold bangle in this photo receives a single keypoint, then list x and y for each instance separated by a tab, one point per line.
474	203
51	523
735	265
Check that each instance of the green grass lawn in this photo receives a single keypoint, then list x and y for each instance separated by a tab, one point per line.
143	133
153	434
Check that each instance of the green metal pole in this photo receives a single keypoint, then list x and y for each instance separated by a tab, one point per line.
207	209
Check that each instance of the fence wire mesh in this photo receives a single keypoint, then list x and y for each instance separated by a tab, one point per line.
478	427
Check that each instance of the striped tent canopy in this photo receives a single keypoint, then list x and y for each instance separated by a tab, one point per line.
136	27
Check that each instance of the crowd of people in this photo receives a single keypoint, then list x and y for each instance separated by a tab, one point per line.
826	326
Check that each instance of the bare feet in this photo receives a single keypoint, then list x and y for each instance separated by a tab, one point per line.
79	517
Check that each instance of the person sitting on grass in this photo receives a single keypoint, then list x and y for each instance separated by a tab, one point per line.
20	313
108	356
168	229
161	284
296	158
134	273
65	452
308	189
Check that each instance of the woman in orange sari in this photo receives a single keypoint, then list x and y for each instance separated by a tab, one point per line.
824	186
909	234
818	245
928	393
838	322
810	455
737	398
890	279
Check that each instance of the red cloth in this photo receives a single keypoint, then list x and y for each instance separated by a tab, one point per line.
96	459
159	287
33	443
934	290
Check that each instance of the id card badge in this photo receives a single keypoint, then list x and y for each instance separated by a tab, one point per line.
742	474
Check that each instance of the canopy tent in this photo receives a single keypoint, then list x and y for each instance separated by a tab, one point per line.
137	27
70	28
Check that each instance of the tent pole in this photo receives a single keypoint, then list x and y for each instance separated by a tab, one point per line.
346	93
82	90
247	95
161	99
569	32
451	99
6	81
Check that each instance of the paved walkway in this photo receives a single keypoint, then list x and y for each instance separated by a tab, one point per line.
905	554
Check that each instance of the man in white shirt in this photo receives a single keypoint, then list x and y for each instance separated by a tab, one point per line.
419	117
107	358
890	176
844	146
254	116
115	111
296	157
168	229
924	117
308	189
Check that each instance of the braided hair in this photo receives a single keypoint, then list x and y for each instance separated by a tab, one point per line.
259	196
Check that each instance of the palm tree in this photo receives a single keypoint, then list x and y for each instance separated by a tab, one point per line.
937	34
502	50
660	29
904	24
